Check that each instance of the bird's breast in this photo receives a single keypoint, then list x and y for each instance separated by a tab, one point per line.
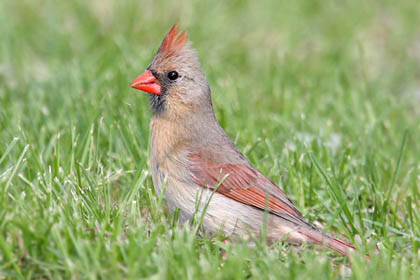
167	138
168	152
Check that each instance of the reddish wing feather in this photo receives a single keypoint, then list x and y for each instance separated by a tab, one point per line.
246	185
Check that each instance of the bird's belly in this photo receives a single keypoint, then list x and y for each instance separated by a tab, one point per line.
221	214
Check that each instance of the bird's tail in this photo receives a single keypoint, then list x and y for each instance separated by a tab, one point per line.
342	247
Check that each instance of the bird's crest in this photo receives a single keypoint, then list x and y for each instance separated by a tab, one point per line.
173	43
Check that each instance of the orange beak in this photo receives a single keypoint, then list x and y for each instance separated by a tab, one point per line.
147	82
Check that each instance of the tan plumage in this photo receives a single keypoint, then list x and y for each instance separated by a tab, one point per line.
192	155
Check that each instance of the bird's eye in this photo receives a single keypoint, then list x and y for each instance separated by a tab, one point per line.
173	75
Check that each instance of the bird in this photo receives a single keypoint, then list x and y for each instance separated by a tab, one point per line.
199	170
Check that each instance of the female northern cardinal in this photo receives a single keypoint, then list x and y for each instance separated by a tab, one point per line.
199	167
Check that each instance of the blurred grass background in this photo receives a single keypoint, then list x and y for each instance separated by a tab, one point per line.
322	96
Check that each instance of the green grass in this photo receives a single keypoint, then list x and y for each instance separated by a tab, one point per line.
321	96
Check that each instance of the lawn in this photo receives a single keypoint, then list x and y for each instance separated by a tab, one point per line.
321	96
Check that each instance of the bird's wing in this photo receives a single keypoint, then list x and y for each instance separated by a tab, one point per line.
246	185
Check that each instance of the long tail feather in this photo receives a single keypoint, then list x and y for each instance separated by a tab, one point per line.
342	247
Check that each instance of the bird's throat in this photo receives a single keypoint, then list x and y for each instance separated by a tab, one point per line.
157	103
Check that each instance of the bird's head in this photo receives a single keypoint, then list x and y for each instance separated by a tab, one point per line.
174	79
